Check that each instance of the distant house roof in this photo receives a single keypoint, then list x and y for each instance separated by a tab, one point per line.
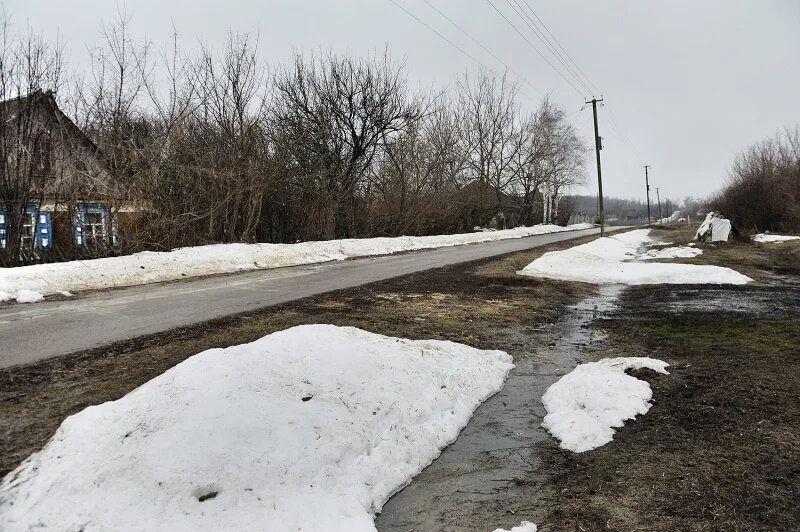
474	189
82	177
11	108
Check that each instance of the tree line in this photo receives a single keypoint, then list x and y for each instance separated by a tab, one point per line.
762	192
215	146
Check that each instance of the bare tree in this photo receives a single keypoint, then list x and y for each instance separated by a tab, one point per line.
491	132
31	69
335	112
763	188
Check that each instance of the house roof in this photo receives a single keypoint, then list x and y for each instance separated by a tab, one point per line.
11	108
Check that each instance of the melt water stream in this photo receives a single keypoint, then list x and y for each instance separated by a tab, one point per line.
490	476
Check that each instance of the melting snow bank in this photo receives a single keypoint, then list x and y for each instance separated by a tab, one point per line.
525	526
22	296
765	238
310	428
585	405
671	253
151	267
609	260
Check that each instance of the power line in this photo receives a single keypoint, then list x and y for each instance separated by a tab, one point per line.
543	39
616	124
451	43
485	49
552	44
577	67
557	71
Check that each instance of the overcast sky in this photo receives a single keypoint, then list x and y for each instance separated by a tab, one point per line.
690	82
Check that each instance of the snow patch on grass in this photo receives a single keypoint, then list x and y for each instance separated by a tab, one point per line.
612	260
151	267
525	526
585	405
310	428
671	253
765	238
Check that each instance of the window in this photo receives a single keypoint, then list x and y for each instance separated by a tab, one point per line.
94	228
28	236
41	155
94	225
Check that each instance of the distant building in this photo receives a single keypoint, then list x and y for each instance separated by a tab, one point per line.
72	201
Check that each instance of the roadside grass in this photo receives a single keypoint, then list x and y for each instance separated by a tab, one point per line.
471	303
718	450
760	261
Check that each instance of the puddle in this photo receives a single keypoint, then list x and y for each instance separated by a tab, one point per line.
490	475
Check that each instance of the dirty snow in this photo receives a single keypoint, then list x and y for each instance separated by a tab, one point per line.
585	405
767	238
613	260
679	252
525	526
672	218
310	428
151	267
715	228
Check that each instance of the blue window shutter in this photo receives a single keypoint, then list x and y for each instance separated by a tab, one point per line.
44	231
77	226
3	222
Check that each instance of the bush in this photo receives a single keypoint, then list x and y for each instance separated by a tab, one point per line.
763	189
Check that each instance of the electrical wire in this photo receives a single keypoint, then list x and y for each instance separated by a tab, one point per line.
483	47
535	49
451	43
553	37
517	8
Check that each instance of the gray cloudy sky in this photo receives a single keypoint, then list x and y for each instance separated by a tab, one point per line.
689	81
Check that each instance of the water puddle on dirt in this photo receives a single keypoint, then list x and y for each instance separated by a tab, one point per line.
490	476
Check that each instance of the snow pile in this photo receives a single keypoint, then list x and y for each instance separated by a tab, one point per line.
610	260
674	217
715	228
766	238
29	296
151	267
525	526
22	296
311	428
585	405
671	253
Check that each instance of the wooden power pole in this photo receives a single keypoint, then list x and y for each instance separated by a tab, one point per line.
598	145
647	184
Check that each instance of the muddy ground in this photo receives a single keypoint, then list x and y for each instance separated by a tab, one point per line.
718	450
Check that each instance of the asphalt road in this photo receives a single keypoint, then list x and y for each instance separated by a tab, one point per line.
33	332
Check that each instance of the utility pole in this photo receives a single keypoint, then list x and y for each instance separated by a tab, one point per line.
660	216
598	145
647	183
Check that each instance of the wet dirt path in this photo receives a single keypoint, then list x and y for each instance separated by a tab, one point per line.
491	475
